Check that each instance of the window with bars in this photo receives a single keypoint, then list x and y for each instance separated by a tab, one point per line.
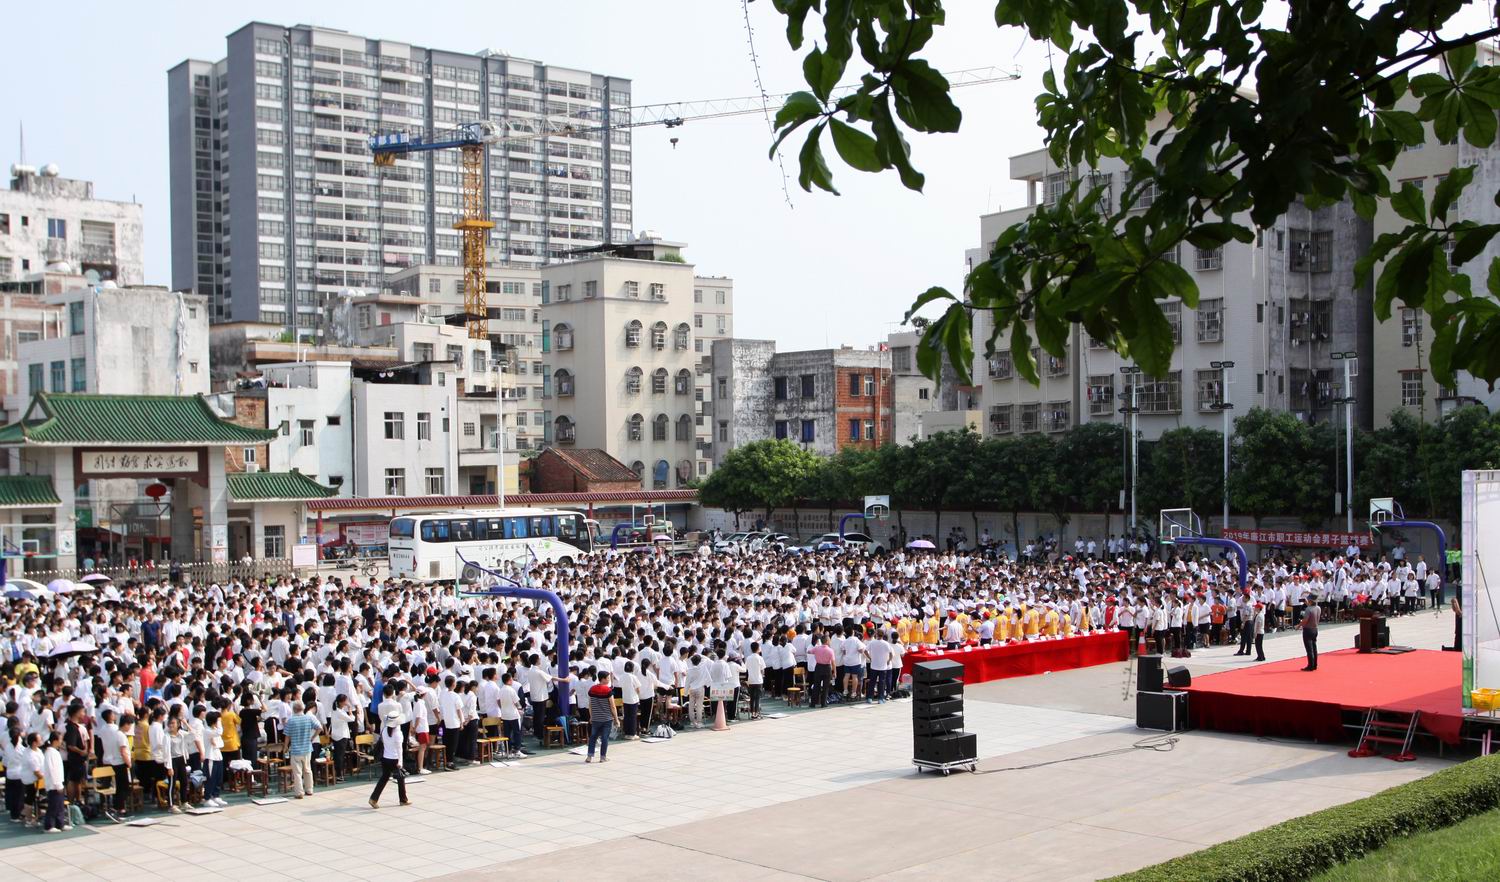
1160	395
659	381
1310	320
1055	366
1210	386
1412	390
1411	326
633	333
1000	418
633	381
1208	259
1173	311
635	427
1101	394
1053	187
659	427
1029	416
1211	320
659	336
1056	416
633	289
1311	250
1001	367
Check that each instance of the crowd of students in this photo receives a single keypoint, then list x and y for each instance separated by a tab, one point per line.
190	683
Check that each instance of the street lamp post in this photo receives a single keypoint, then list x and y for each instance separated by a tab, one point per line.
1348	358
1224	407
1132	415
499	433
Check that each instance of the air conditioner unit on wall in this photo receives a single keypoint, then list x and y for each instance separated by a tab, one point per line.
252	467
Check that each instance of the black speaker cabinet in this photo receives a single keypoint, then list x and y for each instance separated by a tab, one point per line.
937	689
1374	634
1179	677
953	747
937	725
934	671
1148	675
1161	710
939	708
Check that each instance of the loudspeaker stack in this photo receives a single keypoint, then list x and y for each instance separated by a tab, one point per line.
937	715
1155	706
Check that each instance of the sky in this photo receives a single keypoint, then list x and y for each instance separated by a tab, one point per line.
826	270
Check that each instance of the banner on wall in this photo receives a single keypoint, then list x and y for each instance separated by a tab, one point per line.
1480	598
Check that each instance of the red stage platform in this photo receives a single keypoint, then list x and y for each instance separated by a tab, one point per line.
1030	657
1280	699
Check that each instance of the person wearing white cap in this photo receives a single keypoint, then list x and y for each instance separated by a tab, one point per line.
391	744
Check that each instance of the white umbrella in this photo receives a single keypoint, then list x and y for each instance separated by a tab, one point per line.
69	648
60	586
20	592
96	577
28	584
920	543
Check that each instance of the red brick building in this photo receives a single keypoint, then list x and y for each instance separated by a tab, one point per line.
580	470
863	402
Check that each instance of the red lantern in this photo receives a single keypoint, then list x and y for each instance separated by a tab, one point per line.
156	491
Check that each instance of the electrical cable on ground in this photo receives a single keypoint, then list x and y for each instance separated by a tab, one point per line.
1163	743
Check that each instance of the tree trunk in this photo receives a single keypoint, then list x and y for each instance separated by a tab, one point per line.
975	516
1015	529
937	527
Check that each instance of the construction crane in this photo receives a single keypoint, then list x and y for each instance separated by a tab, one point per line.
471	140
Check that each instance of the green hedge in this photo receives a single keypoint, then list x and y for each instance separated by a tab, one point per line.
1302	847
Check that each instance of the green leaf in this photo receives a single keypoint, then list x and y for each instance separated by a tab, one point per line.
821	72
1152	346
814	168
1167	279
1448	189
1403	125
1479	130
855	147
893	146
926	297
1020	352
957	339
1468	242
1409	203
799	106
922	98
1460	59
1051	332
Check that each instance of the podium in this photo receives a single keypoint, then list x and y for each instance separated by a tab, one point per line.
937	715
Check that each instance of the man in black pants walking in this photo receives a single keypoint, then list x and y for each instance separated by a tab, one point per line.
1310	634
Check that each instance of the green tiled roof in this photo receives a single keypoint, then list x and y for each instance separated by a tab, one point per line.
57	418
27	491
264	486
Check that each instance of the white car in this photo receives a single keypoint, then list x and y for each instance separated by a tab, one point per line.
853	541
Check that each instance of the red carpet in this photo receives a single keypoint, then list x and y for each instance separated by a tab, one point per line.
1030	657
1279	699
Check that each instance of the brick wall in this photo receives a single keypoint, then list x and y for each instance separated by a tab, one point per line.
249	411
876	408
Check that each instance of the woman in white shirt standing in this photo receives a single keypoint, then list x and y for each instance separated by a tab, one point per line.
630	699
213	760
339	719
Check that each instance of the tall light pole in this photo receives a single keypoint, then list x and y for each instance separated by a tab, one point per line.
1132	413
1224	407
499	367
1348	358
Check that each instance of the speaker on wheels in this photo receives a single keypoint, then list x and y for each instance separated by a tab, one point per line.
937	714
1179	677
1167	711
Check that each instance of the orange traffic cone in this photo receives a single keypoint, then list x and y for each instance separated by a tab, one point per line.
720	724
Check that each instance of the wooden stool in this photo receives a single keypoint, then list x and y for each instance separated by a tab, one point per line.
552	736
324	766
250	781
580	731
794	696
437	754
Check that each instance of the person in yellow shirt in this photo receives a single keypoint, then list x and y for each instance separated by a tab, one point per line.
1051	623
1031	623
230	720
1002	626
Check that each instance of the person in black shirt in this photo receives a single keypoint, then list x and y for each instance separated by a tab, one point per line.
78	747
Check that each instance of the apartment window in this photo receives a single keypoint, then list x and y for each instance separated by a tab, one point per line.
1210	386
275	541
1029	417
1411	326
658	291
1056	416
869	427
922	394
723	432
633	289
719	325
1096	344
79	368
635	426
633	333
1411	388
780	384
1001	367
1145	193
659	336
563	292
57	228
659	381
75	318
1101	394
869	385
781	429
724	388
1312	251
424	427
1211	320
421	352
590	289
698	320
659	427
247	455
721	297
633	381
697	295
854	430
901	359
854	385
434	286
478	362
1055	366
1000	417
456	355
1208	259
1310	320
1053	188
395	425
1173	254
59	376
1161	396
395	482
34	374
434	481
807	386
305	433
1173	311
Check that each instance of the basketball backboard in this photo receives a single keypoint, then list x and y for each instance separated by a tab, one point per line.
1384	509
1176	523
877	508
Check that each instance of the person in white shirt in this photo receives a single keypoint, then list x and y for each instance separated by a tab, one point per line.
630	700
697	684
755	678
213	760
392	744
878	651
340	719
509	702
450	707
55	819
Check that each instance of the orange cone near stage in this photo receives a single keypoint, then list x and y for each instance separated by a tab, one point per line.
720	724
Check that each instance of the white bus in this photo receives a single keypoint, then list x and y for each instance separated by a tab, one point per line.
425	547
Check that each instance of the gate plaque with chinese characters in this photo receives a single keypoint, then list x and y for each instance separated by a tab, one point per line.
146	463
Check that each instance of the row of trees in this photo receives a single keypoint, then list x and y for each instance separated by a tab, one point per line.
1279	466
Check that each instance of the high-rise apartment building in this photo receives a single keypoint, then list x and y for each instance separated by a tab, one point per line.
276	201
1274	321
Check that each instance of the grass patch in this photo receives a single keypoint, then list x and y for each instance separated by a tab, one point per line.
1461	853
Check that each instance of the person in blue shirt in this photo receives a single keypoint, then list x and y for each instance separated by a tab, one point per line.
299	734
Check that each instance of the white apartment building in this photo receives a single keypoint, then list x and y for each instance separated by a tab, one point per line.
52	222
1277	310
277	205
1403	344
618	336
311	405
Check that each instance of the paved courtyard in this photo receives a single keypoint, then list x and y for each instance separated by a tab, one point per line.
819	795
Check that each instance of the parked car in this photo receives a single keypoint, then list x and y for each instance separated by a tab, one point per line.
851	541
